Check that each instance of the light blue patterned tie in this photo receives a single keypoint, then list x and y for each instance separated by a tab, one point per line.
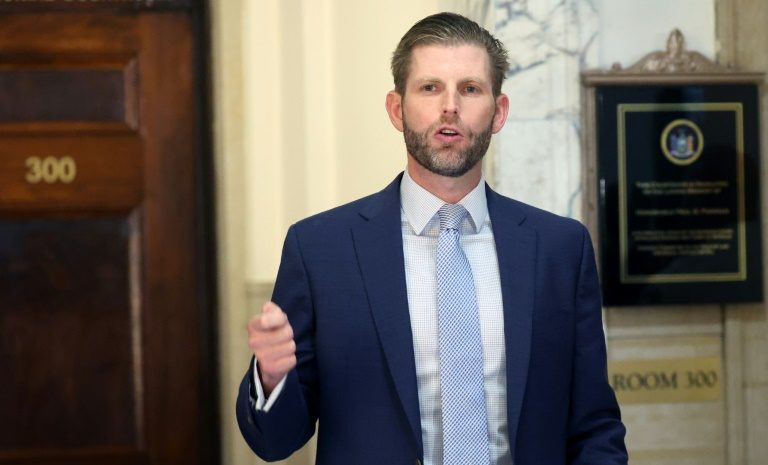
465	427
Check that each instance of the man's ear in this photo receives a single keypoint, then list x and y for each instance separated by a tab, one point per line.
394	106
500	115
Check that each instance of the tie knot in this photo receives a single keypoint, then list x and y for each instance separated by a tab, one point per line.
451	216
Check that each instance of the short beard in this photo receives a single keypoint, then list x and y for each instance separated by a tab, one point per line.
452	163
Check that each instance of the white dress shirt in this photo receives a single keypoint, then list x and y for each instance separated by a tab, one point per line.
420	226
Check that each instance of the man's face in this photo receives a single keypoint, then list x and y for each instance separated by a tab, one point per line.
448	112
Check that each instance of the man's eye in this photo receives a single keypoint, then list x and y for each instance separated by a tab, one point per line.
429	87
470	89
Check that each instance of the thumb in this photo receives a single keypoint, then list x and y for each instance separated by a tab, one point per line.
269	307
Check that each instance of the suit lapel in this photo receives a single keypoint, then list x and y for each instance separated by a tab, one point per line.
379	248
516	251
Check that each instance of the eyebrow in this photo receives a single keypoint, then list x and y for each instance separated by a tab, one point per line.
466	79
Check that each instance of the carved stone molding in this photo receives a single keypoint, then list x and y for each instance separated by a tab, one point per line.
675	65
675	59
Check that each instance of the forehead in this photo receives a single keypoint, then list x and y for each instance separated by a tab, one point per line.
450	62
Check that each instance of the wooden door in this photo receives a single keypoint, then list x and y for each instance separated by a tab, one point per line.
105	336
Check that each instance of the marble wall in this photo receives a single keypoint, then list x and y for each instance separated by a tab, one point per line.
742	36
537	153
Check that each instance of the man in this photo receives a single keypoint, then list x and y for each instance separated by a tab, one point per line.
435	322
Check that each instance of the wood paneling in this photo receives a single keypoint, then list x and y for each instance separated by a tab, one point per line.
66	334
68	92
61	94
70	173
105	356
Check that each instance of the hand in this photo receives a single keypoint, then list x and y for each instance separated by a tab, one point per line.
270	338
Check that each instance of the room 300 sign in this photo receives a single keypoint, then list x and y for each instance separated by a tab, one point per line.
653	380
666	380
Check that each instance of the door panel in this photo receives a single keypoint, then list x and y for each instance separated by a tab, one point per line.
60	342
76	88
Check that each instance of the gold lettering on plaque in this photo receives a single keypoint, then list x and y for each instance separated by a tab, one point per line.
50	170
666	380
653	188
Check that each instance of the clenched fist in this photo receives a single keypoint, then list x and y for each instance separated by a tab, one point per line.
270	338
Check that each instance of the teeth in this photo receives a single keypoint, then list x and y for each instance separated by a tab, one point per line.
448	132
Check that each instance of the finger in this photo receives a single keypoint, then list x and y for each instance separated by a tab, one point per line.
254	324
260	340
276	352
270	307
285	364
273	319
267	322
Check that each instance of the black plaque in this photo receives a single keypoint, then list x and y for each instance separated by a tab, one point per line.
679	200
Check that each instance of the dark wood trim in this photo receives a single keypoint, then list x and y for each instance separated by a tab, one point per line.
205	240
607	78
86	456
40	6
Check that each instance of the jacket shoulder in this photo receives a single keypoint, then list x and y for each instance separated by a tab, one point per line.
539	219
385	202
342	216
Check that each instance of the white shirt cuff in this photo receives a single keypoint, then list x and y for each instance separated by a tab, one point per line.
260	403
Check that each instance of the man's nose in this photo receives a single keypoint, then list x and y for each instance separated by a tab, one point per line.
450	103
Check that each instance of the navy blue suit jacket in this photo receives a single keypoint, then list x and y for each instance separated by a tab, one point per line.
342	284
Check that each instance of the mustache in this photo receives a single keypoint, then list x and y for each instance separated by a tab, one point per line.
454	121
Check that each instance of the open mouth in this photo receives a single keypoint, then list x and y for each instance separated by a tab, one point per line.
447	134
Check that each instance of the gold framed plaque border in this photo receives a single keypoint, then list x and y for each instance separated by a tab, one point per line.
621	110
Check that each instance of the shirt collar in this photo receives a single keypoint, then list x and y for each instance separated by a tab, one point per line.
420	206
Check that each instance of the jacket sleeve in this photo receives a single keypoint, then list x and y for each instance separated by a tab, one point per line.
596	433
289	424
